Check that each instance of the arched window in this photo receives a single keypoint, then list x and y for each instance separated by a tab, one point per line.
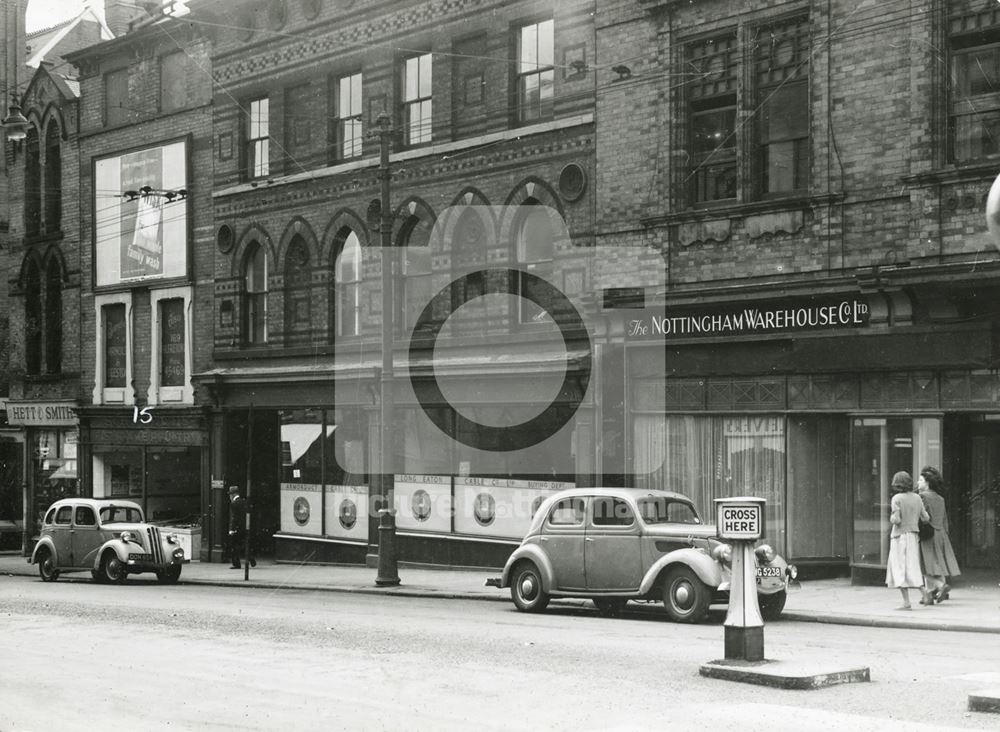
468	259
32	184
347	285
535	248
32	318
53	179
255	295
53	317
298	298
416	269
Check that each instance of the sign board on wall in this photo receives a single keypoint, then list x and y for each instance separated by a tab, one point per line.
347	512
301	505
499	507
144	236
423	503
41	414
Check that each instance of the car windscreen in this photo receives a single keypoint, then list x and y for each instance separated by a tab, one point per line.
121	515
660	510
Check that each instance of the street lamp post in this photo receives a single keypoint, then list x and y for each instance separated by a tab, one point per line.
387	569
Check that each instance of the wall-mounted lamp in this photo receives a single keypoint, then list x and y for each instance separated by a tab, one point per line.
15	123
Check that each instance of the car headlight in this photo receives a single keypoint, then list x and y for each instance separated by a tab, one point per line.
172	539
723	553
178	553
129	536
792	571
765	552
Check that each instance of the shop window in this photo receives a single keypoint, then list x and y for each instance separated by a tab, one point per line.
53	317
414	239
53	471
116	98
32	183
347	134
974	105
347	286
535	71
255	284
32	318
709	457
53	178
416	100
881	447
257	139
298	297
173	81
778	87
535	249
819	518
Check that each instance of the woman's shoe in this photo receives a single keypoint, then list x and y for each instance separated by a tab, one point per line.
942	594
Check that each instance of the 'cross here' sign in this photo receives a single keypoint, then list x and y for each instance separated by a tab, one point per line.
741	520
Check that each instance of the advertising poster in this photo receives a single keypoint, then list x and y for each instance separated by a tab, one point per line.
300	508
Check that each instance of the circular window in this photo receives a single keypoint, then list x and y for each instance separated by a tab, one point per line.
225	239
484	509
421	505
311	8
572	182
348	513
300	511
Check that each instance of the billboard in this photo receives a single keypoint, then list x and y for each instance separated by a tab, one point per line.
139	232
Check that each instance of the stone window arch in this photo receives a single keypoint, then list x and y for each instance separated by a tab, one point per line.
346	300
255	286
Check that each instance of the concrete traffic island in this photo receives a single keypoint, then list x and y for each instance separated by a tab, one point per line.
784	674
985	700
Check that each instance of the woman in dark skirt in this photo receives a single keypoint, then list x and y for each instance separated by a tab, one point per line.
937	554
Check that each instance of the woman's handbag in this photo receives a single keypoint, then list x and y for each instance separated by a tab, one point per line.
925	530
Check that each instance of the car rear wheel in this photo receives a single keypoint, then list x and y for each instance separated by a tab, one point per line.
170	575
112	569
526	589
47	566
771	605
685	597
610	607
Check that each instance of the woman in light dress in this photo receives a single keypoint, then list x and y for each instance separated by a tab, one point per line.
903	570
936	552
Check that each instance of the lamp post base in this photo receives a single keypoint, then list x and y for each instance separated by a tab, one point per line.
745	644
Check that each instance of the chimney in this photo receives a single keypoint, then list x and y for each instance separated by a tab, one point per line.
120	14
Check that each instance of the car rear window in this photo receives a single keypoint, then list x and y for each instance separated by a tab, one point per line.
659	510
567	512
50	516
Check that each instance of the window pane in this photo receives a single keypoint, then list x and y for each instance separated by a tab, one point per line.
568	512
611	512
536	242
356	94
115	342
977	72
425	75
546	43
172	371
529	49
977	135
410	79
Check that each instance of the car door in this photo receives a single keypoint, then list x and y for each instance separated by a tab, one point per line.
87	537
612	550
562	541
62	537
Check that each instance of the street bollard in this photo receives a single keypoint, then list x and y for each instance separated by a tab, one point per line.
741	521
388	574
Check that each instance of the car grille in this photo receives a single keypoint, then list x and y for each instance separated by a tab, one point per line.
155	547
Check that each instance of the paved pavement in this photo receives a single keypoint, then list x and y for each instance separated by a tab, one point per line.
974	605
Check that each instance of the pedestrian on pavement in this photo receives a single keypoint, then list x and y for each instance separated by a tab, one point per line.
936	552
237	528
903	570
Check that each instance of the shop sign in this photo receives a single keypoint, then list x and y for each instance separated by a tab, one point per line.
41	414
749	319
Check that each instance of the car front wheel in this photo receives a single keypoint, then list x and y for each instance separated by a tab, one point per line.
170	575
771	605
112	569
685	597
526	589
47	566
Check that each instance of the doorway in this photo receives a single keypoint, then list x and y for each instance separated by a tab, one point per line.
979	505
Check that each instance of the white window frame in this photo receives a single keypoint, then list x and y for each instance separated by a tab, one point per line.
113	395
166	395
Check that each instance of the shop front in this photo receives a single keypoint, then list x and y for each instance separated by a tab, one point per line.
160	462
817	420
38	466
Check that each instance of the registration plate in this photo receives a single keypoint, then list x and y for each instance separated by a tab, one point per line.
768	571
140	557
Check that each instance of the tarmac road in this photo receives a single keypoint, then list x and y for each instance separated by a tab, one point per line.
80	656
